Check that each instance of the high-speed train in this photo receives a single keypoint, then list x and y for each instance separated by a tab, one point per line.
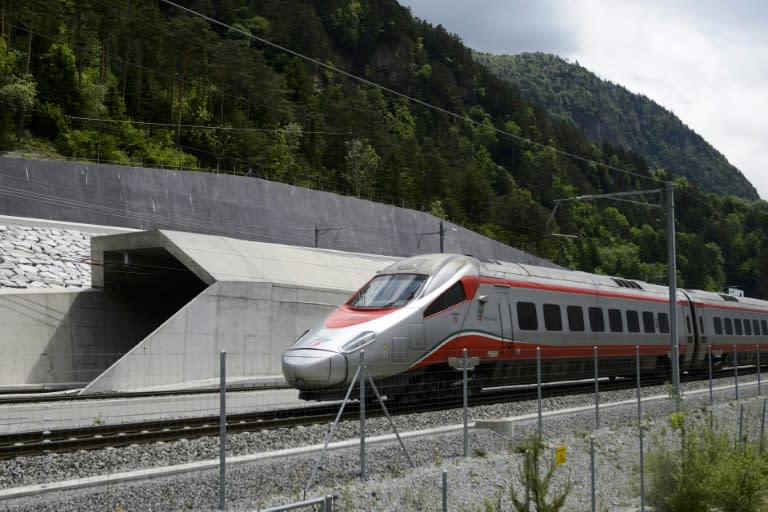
414	315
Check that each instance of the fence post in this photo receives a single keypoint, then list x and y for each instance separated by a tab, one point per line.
445	490
640	431
222	428
592	470
711	401
597	392
538	390
757	349
736	371
762	425
741	423
363	472
466	405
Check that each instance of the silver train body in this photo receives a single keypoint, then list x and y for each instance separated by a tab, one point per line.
415	315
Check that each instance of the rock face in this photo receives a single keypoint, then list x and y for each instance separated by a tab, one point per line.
39	257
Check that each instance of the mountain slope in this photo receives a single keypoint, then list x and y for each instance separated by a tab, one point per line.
609	112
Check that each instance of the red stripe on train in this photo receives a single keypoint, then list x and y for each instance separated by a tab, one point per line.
494	350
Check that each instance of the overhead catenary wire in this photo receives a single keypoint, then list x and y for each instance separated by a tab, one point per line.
206	127
407	97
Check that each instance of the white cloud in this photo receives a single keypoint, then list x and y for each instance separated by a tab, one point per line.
714	83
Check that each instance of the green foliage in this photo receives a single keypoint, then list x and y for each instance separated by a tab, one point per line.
17	94
537	481
145	82
707	472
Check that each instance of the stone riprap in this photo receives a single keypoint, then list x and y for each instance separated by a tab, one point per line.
44	257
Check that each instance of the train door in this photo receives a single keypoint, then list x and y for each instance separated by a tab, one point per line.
688	334
505	319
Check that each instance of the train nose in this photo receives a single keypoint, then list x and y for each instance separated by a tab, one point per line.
314	369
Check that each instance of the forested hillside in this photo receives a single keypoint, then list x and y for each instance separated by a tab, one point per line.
147	81
609	112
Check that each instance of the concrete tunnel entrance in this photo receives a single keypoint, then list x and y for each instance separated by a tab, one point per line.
150	283
180	299
142	289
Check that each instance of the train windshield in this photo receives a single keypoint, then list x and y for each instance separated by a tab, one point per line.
388	291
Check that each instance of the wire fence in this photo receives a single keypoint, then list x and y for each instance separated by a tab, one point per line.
742	387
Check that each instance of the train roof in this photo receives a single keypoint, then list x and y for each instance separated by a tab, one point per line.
503	269
509	270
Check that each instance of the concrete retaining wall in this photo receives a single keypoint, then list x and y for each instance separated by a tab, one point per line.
236	207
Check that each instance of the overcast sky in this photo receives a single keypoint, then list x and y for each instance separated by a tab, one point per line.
704	60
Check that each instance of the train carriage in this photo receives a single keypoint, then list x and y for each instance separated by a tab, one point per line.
416	314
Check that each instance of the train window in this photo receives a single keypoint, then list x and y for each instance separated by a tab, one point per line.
648	323
614	320
728	326
737	324
718	325
756	327
596	320
553	321
575	318
764	325
450	297
663	322
688	324
701	325
526	316
747	327
633	321
389	290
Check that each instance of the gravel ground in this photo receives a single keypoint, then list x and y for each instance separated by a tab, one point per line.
487	475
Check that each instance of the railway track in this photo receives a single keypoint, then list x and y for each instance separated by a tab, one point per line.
125	434
73	396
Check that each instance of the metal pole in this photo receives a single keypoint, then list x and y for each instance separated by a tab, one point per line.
762	425
592	469
639	409
317	235
597	392
711	401
328	506
757	349
736	371
466	405
538	389
442	236
642	473
445	490
741	423
222	428
640	429
672	277
363	472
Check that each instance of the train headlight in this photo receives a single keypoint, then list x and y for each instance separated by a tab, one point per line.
359	341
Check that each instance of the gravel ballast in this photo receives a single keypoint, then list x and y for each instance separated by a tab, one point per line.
487	475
